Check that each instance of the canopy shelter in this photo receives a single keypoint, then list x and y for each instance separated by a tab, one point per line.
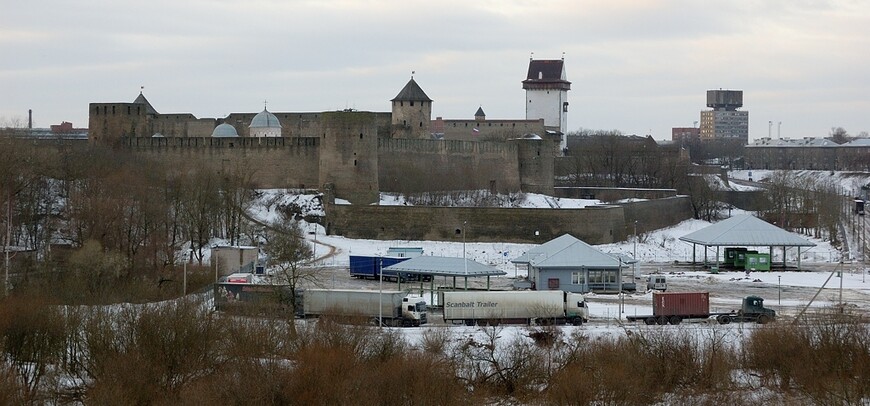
446	266
745	231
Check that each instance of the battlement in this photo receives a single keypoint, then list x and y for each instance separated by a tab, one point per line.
212	142
404	145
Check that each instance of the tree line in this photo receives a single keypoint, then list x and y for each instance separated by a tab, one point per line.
180	352
108	216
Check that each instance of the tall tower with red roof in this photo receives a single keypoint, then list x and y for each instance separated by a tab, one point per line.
547	89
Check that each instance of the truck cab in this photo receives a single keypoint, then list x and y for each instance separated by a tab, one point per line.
753	308
575	308
414	310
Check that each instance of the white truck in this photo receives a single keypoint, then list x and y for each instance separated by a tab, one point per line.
388	307
514	307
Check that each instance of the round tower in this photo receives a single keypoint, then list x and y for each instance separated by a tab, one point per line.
536	164
412	112
349	155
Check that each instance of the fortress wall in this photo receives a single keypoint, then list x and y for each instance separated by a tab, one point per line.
491	129
273	162
597	225
180	125
608	194
656	214
297	124
409	165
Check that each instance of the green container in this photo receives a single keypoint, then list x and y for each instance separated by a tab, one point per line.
740	260
731	255
757	262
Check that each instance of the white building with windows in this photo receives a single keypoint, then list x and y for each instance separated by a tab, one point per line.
568	264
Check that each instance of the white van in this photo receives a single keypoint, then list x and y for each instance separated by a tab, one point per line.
657	282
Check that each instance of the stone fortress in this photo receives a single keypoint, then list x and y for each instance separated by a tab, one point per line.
355	155
360	153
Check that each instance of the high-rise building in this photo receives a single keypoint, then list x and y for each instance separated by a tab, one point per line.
725	121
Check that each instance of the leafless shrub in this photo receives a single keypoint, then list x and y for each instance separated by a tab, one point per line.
435	341
656	362
32	337
826	361
172	345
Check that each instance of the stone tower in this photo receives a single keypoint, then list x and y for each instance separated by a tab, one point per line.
109	122
536	164
349	155
412	112
547	94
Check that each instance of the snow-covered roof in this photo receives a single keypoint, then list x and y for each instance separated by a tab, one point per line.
567	252
745	230
444	266
858	142
788	142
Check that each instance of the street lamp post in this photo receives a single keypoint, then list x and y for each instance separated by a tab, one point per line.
779	289
634	253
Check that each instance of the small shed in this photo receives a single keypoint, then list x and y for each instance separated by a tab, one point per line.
405	252
745	231
231	259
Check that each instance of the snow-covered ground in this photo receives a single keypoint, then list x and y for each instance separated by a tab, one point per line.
659	246
847	181
656	250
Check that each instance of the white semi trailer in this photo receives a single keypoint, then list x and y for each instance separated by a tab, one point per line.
391	307
514	307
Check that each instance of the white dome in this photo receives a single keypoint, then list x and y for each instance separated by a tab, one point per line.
265	119
224	130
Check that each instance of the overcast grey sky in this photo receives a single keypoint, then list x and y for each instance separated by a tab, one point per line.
638	66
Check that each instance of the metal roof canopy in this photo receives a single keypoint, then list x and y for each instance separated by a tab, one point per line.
446	266
745	230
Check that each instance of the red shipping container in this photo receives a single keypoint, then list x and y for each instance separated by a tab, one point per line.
681	304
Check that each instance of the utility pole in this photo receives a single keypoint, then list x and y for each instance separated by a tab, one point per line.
464	260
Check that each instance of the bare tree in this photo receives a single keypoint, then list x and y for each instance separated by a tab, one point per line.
290	254
839	135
